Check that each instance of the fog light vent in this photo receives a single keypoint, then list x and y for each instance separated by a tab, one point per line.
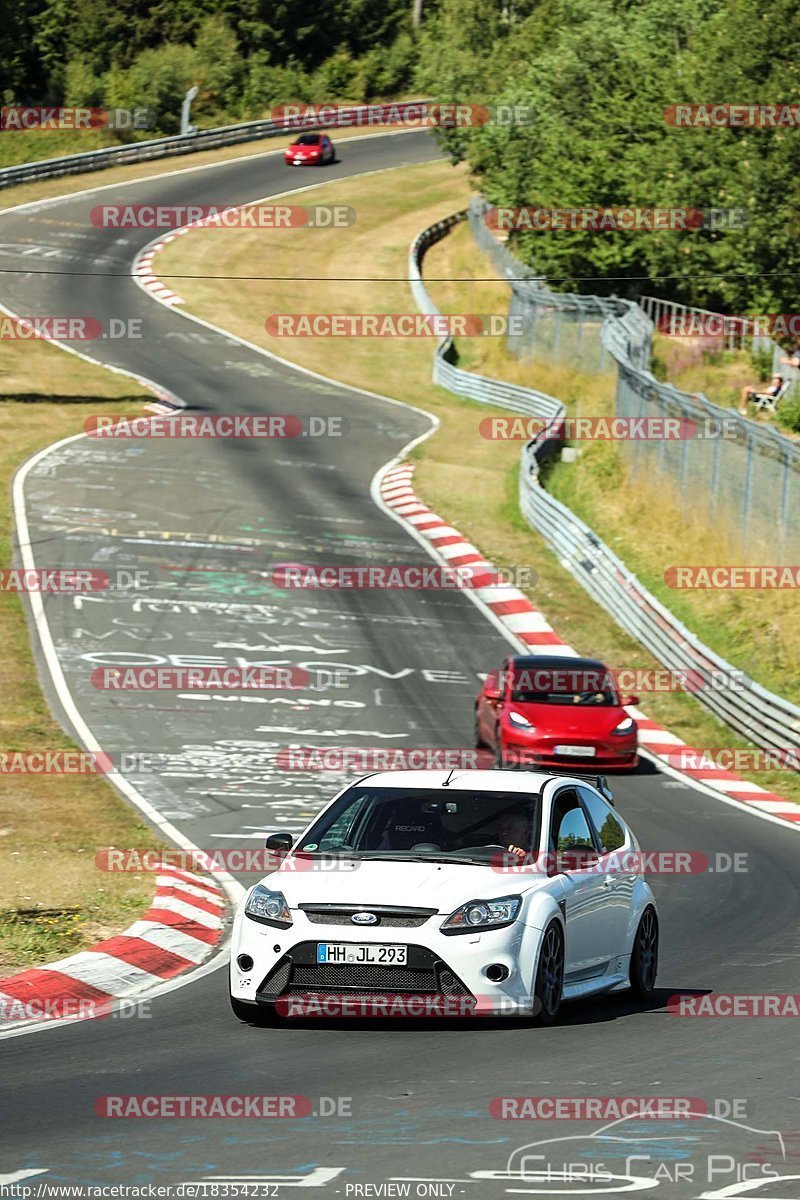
497	972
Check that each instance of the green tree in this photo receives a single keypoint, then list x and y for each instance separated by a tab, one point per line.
157	79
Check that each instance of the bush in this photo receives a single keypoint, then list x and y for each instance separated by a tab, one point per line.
789	411
266	85
219	63
335	79
81	86
395	67
156	79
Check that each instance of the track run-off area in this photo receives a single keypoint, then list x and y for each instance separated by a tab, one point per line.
405	1104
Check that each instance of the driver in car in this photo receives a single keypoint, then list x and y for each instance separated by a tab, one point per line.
515	833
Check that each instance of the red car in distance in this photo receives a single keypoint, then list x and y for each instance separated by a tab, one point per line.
310	149
550	711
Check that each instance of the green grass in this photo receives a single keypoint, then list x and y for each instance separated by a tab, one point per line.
53	899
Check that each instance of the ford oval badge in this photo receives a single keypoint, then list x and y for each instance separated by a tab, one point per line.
364	918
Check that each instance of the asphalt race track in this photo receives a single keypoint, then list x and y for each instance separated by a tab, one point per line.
203	518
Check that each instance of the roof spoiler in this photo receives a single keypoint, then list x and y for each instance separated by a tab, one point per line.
601	783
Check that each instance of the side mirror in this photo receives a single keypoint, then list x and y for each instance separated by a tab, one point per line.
491	687
601	783
279	843
626	700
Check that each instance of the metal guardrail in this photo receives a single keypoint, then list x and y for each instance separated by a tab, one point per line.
757	714
188	143
749	478
445	371
736	333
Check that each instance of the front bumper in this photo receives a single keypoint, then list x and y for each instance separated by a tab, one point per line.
619	753
450	968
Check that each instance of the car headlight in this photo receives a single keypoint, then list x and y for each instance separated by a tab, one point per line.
517	719
483	914
270	908
626	725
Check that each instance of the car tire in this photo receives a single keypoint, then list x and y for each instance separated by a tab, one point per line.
549	985
644	956
499	756
477	740
254	1014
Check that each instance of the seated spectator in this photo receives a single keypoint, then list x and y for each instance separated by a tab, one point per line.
749	392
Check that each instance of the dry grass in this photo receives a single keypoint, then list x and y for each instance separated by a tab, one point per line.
469	480
30	370
720	375
53	900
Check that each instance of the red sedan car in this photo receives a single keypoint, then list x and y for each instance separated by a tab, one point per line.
543	710
310	149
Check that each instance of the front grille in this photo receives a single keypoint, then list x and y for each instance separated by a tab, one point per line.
450	984
361	975
389	918
276	980
299	972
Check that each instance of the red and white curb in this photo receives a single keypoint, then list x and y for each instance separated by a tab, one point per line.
514	611
143	270
177	933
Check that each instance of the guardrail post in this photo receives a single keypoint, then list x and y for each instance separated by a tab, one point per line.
557	332
716	463
783	519
748	482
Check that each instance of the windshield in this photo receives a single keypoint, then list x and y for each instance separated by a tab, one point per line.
308	139
563	687
606	697
425	823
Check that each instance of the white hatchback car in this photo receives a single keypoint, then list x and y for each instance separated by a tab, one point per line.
509	890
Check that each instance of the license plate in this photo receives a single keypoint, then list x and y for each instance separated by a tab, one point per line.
346	952
576	751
